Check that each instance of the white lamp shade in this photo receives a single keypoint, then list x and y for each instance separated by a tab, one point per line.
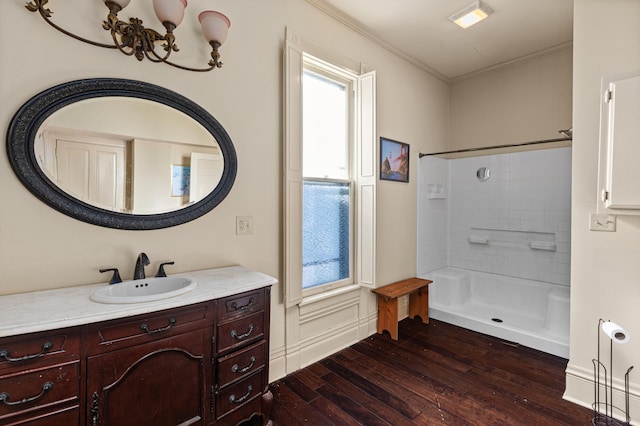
121	3
170	10
215	26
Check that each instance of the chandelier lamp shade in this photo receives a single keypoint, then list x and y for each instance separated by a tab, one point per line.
133	39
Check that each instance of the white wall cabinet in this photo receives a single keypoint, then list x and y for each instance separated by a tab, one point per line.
619	169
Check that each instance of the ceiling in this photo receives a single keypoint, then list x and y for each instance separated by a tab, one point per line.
420	31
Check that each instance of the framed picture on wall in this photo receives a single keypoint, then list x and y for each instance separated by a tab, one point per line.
394	160
180	178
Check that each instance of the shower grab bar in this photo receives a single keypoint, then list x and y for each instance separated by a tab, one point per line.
478	239
513	238
542	245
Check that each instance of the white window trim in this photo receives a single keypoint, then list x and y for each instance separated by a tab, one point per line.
363	273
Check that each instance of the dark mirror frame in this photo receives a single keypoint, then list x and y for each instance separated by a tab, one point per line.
28	119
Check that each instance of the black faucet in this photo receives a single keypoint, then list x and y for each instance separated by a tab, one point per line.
141	262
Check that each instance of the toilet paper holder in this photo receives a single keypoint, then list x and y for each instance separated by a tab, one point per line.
619	335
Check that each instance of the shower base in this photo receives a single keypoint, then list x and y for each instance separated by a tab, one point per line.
526	312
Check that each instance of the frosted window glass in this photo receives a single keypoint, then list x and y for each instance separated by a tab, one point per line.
325	241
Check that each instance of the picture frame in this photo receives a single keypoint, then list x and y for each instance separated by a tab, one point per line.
180	180
394	160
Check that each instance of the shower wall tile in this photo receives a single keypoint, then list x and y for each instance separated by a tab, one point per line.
432	215
528	196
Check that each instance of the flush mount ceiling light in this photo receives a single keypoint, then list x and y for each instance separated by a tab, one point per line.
471	15
132	38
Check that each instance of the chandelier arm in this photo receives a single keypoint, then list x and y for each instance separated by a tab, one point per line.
182	67
38	6
149	46
120	46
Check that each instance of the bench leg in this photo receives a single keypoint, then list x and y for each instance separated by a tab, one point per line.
419	305
388	316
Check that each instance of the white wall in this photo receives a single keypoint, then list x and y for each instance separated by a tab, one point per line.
41	248
525	101
604	266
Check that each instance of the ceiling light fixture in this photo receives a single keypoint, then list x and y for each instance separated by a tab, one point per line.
471	15
132	38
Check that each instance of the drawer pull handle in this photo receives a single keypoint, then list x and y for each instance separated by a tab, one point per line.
236	369
235	306
235	334
4	396
243	398
144	327
45	347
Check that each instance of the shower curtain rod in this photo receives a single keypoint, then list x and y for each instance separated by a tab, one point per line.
459	151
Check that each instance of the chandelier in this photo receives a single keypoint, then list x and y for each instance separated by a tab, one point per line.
133	39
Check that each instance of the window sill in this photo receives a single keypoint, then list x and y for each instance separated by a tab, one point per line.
308	300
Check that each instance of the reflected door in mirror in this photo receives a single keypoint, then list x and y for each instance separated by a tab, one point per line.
90	169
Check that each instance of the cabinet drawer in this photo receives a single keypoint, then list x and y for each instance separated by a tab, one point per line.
241	304
112	335
239	394
240	364
63	416
38	350
36	389
238	333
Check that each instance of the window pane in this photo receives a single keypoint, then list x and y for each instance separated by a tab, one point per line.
325	127
325	241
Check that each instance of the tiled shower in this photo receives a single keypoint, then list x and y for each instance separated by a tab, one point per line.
515	223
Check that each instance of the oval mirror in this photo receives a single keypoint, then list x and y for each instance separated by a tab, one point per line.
121	153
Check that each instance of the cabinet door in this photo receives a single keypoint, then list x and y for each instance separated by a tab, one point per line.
158	383
620	145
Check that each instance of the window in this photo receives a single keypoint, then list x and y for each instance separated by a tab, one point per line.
327	135
329	172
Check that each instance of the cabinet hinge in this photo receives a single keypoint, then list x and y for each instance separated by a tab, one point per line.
608	95
213	348
604	195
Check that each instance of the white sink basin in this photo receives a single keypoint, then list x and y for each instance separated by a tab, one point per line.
145	290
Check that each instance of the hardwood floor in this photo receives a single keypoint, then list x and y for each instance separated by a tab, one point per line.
433	374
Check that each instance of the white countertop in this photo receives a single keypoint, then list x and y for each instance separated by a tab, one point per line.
65	307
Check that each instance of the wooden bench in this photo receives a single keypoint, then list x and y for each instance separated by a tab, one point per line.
418	291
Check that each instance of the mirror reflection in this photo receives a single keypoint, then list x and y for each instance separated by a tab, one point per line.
122	154
128	155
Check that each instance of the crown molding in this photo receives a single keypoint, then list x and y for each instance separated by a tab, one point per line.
356	26
520	59
359	28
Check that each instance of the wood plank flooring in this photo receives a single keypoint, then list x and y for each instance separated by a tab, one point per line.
435	374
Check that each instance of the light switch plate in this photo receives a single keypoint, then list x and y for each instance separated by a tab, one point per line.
244	225
602	222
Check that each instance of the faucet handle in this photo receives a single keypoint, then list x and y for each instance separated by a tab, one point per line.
115	279
161	272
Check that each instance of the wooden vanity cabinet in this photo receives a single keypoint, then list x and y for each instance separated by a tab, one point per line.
201	364
40	378
241	357
150	369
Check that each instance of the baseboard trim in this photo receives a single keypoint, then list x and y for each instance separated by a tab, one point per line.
580	390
